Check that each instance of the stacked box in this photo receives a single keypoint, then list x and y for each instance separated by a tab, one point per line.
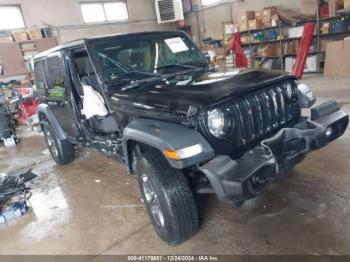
291	47
310	65
274	20
258	15
245	39
255	24
243	26
308	7
34	34
267	50
20	36
267	13
243	20
295	31
334	6
247	16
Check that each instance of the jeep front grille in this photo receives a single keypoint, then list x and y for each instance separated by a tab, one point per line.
257	116
261	112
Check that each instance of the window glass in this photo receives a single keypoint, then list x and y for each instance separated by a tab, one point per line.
209	2
93	13
11	18
104	12
116	11
55	76
39	78
119	57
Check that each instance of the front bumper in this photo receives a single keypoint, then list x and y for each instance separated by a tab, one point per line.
235	181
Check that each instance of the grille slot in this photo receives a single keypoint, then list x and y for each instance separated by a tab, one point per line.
262	112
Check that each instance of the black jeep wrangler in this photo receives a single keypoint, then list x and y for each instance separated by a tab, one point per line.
177	125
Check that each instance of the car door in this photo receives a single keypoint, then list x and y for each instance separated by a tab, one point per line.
58	95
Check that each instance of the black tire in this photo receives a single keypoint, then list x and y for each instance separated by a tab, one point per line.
62	151
172	194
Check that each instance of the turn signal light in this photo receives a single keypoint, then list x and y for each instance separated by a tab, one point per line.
184	152
171	154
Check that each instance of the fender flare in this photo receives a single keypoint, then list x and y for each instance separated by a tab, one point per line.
164	135
44	111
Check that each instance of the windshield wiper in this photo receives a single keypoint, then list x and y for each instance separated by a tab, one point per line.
136	83
138	75
177	65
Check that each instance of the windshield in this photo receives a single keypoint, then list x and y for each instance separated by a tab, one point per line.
145	55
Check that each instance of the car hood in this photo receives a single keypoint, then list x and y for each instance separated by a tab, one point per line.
206	90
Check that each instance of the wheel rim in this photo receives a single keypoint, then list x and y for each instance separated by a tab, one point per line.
152	201
51	143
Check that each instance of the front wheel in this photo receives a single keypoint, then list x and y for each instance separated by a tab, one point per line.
62	151
167	197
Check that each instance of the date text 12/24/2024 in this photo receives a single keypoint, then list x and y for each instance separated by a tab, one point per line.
173	258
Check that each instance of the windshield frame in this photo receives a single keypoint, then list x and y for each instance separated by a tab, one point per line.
91	43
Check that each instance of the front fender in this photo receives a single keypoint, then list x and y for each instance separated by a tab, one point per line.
44	112
163	135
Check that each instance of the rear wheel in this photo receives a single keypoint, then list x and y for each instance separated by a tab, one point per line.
167	197
62	151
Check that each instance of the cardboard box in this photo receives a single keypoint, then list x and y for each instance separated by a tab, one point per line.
6	39
295	31
310	65
255	24
337	58
249	15
274	20
278	50
323	45
267	25
267	50
334	6
268	12
243	26
258	15
347	4
289	64
289	48
34	34
20	36
333	55
345	65
245	39
308	7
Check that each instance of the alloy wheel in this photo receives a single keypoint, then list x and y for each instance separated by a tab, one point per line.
152	201
51	143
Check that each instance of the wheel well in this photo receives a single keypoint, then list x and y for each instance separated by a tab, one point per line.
42	118
132	146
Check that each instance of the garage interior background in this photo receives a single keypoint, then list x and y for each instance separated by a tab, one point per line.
314	201
65	16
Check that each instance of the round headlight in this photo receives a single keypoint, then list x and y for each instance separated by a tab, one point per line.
216	122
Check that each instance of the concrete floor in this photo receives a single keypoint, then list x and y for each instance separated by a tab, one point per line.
92	207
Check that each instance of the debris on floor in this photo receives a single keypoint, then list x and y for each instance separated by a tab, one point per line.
14	194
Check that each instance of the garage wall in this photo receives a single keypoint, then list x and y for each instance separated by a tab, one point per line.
210	18
65	16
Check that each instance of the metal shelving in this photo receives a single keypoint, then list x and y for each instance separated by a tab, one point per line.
280	28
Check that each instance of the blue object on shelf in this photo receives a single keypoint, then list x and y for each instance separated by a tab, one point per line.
272	35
